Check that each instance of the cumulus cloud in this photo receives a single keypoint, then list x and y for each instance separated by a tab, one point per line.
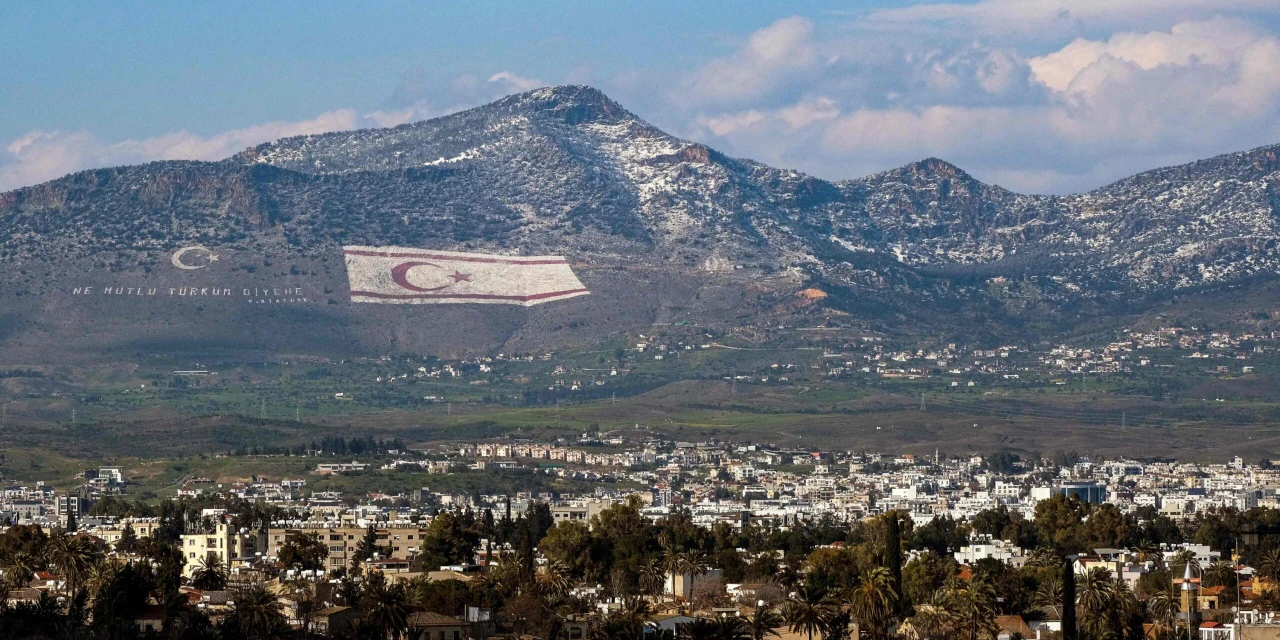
1219	42
778	55
1071	118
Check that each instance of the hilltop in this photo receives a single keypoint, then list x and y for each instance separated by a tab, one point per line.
661	230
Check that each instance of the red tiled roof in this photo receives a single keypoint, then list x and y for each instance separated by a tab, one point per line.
432	619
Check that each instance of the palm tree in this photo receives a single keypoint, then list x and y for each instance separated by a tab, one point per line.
1163	607
671	554
1044	558
931	620
1095	598
384	607
1106	604
505	576
1188	557
807	611
612	628
699	629
652	577
101	575
1269	564
764	622
1145	551
971	605
873	601
554	579
1095	591
20	566
624	624
693	562
1220	574
256	613
1124	607
731	628
1048	595
210	575
73	557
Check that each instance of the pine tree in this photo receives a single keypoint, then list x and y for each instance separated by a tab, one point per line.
368	545
128	539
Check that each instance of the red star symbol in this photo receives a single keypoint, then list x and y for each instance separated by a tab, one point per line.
458	276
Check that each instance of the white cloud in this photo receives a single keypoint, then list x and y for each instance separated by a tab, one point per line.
1042	18
809	112
779	54
39	156
514	83
1219	42
1073	118
44	155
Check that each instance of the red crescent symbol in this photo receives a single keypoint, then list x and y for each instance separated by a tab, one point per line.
400	275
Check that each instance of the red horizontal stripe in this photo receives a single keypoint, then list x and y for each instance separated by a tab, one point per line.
437	256
464	296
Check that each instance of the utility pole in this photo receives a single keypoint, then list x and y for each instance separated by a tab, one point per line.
263	413
922	402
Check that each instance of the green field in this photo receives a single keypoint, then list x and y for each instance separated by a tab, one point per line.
777	389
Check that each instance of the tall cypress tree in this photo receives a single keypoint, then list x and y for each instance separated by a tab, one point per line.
893	555
1068	599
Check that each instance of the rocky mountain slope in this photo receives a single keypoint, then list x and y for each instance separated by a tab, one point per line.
660	228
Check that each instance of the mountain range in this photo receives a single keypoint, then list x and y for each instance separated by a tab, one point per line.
662	230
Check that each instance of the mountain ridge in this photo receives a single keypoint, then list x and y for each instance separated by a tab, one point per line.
665	229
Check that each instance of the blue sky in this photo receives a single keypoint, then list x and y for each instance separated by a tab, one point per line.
1036	95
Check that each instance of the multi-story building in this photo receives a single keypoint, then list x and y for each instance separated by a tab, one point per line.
230	546
403	541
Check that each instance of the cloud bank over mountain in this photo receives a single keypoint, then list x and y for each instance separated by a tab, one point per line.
1035	95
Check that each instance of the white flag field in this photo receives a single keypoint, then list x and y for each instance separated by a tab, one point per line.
399	275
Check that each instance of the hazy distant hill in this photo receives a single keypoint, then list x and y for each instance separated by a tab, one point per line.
659	228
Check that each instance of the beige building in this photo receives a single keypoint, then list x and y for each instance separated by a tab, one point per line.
225	543
404	542
142	528
582	511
